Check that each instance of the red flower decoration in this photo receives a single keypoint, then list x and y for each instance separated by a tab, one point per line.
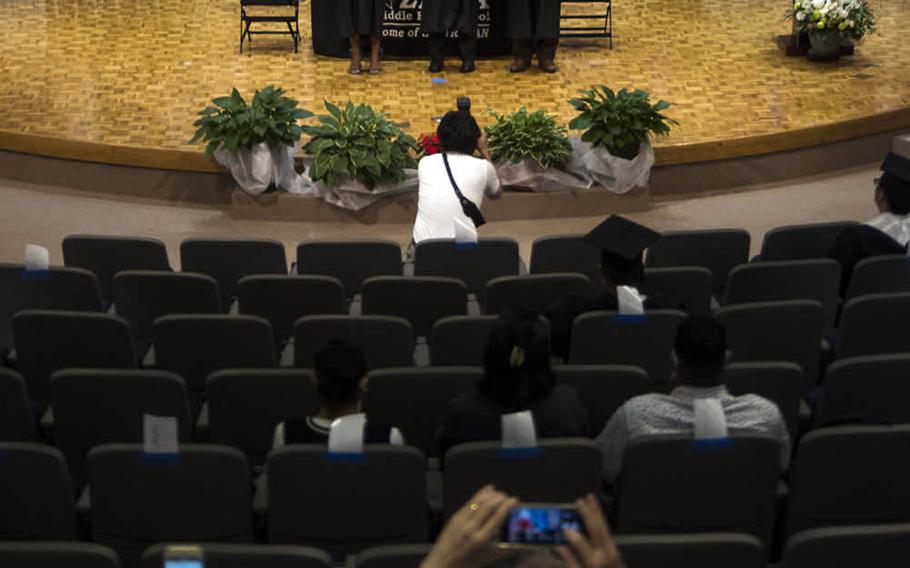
429	143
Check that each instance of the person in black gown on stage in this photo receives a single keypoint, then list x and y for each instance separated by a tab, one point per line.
358	18
439	17
533	26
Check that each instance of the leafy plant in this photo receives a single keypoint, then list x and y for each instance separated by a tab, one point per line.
231	123
534	135
850	18
620	121
359	142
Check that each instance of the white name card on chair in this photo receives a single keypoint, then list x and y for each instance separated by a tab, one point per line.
346	434
631	302
37	258
518	430
710	420
159	434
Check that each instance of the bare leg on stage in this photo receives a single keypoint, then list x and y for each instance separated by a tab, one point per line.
375	64
355	54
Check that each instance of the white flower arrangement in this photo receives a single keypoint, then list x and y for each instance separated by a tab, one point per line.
850	18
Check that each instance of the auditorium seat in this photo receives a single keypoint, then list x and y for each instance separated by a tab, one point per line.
36	494
690	286
811	279
797	242
47	341
718	250
606	338
872	389
17	424
245	405
603	388
386	341
35	554
422	300
776	331
566	253
101	406
346	504
696	550
106	256
195	346
248	556
888	274
881	546
391	556
142	296
874	325
460	340
351	262
780	382
560	470
282	300
229	260
416	399
719	487
532	292
850	475
475	265
200	495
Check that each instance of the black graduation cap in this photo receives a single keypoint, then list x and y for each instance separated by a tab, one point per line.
622	237
897	166
895	183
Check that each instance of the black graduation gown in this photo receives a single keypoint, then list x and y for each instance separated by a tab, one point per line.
363	17
859	242
533	19
440	16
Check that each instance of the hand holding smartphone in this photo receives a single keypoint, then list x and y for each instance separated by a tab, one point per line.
540	524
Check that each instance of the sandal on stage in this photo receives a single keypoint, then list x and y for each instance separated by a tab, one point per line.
375	70
354	70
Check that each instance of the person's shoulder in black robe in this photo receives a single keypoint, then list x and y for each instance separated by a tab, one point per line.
857	243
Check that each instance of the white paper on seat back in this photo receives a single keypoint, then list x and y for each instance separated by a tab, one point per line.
630	301
518	430
346	434
37	258
464	233
710	421
159	434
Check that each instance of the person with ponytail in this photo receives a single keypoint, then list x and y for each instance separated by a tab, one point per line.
517	377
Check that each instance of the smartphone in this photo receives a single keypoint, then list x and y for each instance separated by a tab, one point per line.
540	523
183	556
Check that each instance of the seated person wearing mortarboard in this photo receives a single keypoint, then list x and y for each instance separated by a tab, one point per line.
622	244
340	374
700	353
887	233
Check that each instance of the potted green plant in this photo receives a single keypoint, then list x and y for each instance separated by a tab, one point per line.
614	149
831	23
255	140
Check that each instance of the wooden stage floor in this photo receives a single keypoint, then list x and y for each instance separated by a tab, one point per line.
119	81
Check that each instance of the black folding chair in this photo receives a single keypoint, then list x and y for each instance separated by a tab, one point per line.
247	20
591	30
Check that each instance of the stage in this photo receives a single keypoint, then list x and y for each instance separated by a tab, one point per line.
119	81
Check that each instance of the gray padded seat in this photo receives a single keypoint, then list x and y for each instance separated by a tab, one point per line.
889	274
607	338
36	493
713	488
532	292
871	389
788	331
718	250
564	469
248	556
282	300
475	265
850	475
460	340
387	341
416	399
380	499
32	554
245	406
797	242
422	300
882	546
391	556
702	550
566	253
106	256
229	260
351	262
17	423
873	325
692	286
779	382
101	406
48	341
200	495
603	388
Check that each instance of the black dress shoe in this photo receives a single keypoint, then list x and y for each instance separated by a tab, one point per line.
548	66
436	66
519	65
468	67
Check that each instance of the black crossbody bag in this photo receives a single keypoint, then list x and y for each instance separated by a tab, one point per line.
468	206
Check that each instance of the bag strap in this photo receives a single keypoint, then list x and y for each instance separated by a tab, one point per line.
461	197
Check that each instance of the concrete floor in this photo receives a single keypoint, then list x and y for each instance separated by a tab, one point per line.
44	215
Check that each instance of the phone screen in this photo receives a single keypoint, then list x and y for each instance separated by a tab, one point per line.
183	563
540	524
183	557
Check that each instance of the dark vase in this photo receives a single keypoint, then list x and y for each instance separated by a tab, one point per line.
825	45
627	152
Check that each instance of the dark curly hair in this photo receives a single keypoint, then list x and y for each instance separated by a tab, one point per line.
339	366
458	132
